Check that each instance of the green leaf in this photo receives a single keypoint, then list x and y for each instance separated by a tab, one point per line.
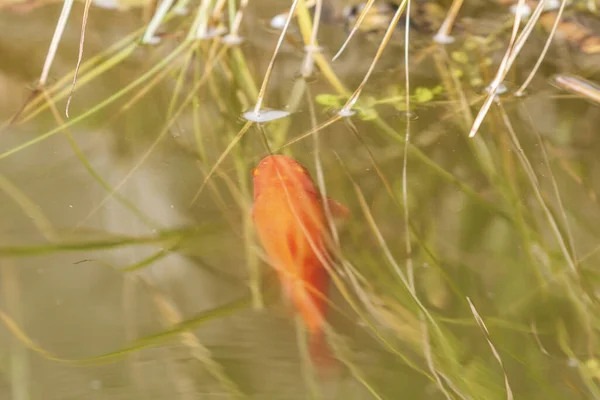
457	72
423	95
593	367
460	57
369	101
329	100
367	114
476	81
400	106
437	89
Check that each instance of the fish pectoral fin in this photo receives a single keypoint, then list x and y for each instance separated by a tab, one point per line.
337	209
287	287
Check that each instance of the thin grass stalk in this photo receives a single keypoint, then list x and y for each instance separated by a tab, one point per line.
500	74
29	207
346	109
357	24
429	358
307	368
214	88
158	139
222	157
171	316
335	237
307	31
485	160
163	63
140	94
308	34
536	187
197	126
149	36
443	34
55	91
456	93
513	197
263	87
140	344
582	304
557	193
388	254
415	152
524	35
237	21
19	366
538	63
86	11
327	263
129	308
319	168
486	333
399	272
302	136
217	11
181	79
123	200
323	259
409	262
181	7
243	75
298	89
58	32
252	259
200	24
398	203
407	231
231	14
96	67
313	46
586	376
248	229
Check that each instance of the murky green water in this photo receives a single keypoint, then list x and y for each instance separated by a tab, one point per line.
112	233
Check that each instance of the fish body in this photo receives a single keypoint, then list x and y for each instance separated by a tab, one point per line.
291	224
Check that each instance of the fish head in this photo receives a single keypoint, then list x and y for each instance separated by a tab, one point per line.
279	171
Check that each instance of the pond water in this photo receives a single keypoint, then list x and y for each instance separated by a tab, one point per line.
129	266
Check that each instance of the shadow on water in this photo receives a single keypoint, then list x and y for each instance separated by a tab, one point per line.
130	269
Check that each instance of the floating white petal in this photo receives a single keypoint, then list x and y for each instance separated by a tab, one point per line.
278	21
442	38
108	4
212	33
346	112
152	40
265	115
501	89
181	10
551	5
232	40
524	10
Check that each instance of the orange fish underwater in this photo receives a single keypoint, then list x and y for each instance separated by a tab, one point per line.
289	217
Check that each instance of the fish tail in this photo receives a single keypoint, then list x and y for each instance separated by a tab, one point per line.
311	308
320	352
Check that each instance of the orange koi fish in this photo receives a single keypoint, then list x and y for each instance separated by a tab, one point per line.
289	217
